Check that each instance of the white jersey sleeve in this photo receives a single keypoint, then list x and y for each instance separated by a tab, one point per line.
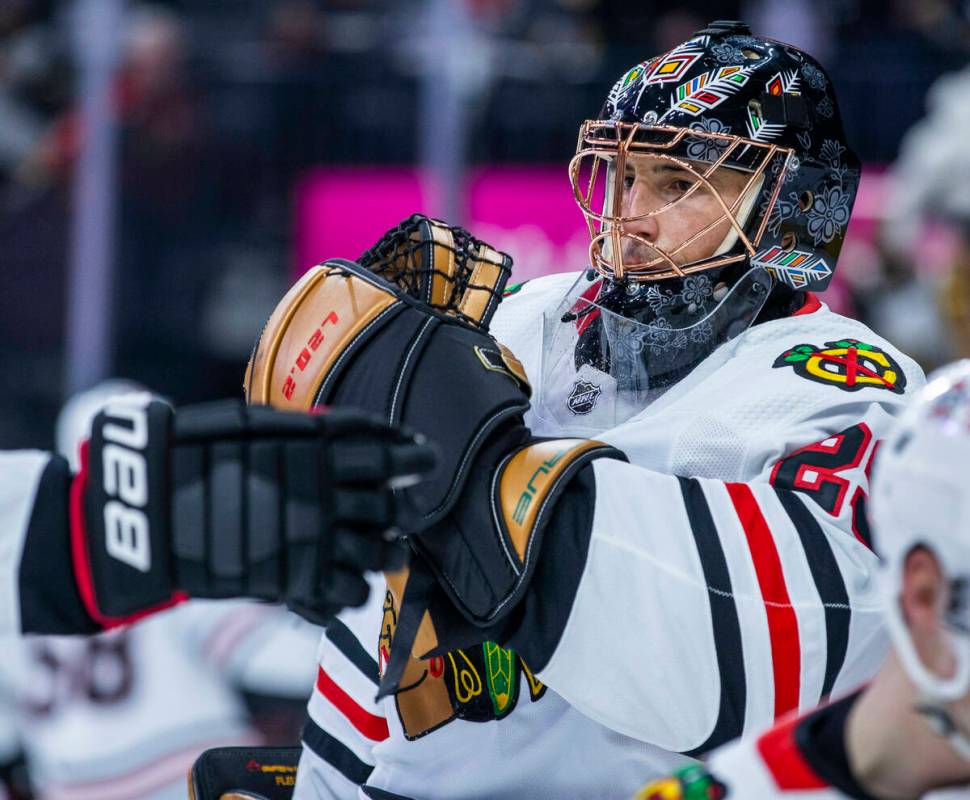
20	474
719	606
345	722
723	576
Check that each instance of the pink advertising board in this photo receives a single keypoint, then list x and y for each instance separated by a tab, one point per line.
528	212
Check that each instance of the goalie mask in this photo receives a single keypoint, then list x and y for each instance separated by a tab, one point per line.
920	498
714	170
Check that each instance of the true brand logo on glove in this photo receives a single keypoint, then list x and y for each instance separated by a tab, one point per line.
126	529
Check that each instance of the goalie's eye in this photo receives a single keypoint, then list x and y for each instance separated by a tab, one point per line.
680	186
628	180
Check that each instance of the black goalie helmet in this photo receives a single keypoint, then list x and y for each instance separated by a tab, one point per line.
717	186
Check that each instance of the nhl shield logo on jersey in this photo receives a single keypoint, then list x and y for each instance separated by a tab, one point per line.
582	399
690	783
847	364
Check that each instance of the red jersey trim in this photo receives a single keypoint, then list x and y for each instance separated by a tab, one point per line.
369	725
785	761
782	621
810	306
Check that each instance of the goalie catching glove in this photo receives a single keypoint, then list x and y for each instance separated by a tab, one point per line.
220	500
403	334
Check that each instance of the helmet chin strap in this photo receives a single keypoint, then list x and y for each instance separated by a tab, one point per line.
934	692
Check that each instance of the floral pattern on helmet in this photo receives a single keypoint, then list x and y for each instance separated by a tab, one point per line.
828	215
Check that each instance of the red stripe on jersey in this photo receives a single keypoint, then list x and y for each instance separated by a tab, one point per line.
785	761
782	622
810	306
370	725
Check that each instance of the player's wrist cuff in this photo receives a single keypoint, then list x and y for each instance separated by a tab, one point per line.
49	598
119	513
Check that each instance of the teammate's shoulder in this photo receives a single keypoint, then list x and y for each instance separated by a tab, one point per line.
801	753
830	351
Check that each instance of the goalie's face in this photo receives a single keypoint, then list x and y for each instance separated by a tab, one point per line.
694	227
663	202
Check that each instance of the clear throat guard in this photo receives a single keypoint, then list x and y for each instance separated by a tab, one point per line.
600	368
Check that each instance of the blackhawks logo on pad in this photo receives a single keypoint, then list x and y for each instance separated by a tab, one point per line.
847	364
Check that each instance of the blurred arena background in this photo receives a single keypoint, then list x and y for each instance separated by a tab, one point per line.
167	169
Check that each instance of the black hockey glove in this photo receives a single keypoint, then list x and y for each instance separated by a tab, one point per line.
224	500
407	340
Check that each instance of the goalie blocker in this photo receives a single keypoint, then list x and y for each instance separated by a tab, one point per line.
405	337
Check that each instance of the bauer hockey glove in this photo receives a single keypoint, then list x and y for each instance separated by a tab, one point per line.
223	500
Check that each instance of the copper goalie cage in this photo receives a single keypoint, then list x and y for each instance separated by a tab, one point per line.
604	149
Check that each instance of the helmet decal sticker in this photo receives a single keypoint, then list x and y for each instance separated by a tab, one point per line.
726	53
780	211
828	214
708	90
796	268
672	66
814	76
704	148
846	364
758	128
786	82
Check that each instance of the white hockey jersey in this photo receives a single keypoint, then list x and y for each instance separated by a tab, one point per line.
803	757
725	581
123	715
20	474
786	761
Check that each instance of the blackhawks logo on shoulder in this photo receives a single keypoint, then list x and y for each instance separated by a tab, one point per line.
690	783
847	364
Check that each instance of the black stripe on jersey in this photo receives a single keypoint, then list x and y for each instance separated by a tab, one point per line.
828	580
552	591
381	794
344	640
724	616
335	753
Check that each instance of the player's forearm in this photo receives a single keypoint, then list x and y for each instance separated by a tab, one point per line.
39	594
49	600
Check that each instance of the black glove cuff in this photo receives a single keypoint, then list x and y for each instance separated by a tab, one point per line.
49	597
119	513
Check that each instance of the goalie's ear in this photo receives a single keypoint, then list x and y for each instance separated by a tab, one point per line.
442	265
